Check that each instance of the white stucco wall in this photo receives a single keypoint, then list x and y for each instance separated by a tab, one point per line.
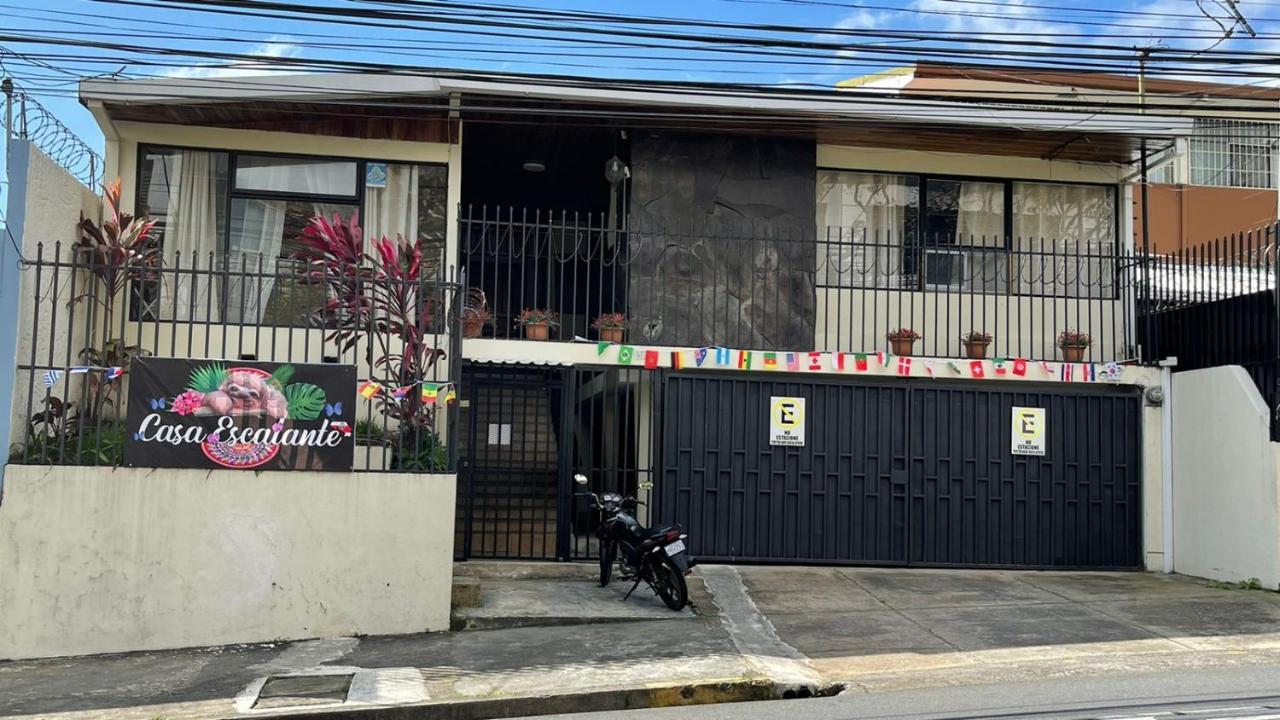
97	560
1226	519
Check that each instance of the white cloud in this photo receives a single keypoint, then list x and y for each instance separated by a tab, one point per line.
275	48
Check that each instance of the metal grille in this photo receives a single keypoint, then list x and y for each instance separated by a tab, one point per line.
1233	153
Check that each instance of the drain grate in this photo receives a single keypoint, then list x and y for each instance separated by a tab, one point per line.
280	691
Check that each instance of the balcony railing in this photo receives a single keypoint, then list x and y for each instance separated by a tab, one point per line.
762	288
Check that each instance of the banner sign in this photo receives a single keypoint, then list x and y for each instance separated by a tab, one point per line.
186	413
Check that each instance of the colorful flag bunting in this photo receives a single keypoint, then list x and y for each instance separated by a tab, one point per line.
1066	372
78	369
1089	372
626	354
430	392
722	357
677	360
929	366
815	361
51	377
904	366
699	356
770	361
744	359
1111	372
370	389
601	347
114	372
401	392
793	362
860	362
1044	365
650	359
450	395
977	369
837	361
1020	367
883	358
999	363
955	367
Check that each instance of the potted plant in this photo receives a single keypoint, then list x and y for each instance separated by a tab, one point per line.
475	313
903	340
611	326
537	323
1073	343
976	343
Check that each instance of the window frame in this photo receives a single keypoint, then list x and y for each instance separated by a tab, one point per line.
922	181
230	193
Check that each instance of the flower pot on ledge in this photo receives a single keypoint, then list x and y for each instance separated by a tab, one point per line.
976	350
902	347
612	335
1073	353
472	328
537	331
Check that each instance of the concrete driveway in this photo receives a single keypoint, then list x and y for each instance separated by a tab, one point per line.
867	625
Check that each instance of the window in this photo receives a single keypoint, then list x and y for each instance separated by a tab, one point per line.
242	214
883	230
1233	153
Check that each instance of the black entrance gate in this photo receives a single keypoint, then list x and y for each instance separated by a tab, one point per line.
917	472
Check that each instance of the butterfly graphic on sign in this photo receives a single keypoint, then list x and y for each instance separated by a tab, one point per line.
158	403
332	410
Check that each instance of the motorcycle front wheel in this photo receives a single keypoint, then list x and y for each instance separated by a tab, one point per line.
608	552
669	583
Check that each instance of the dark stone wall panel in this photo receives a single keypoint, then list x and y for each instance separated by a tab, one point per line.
722	241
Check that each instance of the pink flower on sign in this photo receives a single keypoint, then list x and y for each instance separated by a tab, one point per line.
278	426
188	402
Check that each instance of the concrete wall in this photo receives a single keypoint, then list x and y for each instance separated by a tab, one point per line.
45	204
1226	515
1187	216
98	560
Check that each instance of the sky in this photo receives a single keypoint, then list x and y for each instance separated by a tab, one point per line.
1167	23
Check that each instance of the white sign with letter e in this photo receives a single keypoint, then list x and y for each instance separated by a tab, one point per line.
786	421
1028	431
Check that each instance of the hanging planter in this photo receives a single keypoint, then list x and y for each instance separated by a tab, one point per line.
537	323
902	341
475	313
612	327
1073	345
976	344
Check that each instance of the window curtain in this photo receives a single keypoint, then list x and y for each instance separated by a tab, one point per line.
980	224
192	233
1066	237
862	223
393	210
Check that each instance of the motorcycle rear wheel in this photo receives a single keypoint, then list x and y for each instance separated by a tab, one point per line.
669	584
608	553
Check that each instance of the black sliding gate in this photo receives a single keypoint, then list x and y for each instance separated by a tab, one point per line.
892	472
915	472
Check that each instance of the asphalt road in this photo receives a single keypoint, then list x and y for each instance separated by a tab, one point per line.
1251	691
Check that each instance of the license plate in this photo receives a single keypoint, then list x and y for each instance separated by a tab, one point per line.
675	547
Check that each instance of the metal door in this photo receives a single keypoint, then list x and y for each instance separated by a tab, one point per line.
901	472
973	502
841	498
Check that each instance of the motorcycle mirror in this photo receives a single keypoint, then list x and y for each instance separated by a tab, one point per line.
580	479
646	485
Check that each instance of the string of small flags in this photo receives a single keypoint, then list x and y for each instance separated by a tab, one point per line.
109	373
432	392
723	357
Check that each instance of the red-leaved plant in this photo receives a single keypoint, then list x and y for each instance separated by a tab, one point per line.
386	295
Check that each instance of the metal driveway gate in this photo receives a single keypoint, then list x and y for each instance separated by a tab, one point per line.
914	472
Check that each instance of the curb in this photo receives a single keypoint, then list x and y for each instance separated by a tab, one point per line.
699	693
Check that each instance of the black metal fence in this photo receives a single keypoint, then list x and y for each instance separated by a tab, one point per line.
79	313
775	289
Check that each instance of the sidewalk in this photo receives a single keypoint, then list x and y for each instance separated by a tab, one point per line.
759	633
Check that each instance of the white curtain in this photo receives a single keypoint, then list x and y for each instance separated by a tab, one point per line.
191	233
980	224
393	210
1069	231
861	223
257	230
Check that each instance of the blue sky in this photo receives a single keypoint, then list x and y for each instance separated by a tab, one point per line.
1169	22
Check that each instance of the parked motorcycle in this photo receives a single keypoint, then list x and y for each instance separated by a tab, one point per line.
655	556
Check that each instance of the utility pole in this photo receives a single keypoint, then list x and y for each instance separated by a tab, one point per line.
1239	18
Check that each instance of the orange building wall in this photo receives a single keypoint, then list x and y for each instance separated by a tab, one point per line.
1190	215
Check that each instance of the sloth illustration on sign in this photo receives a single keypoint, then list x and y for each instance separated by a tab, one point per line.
243	416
